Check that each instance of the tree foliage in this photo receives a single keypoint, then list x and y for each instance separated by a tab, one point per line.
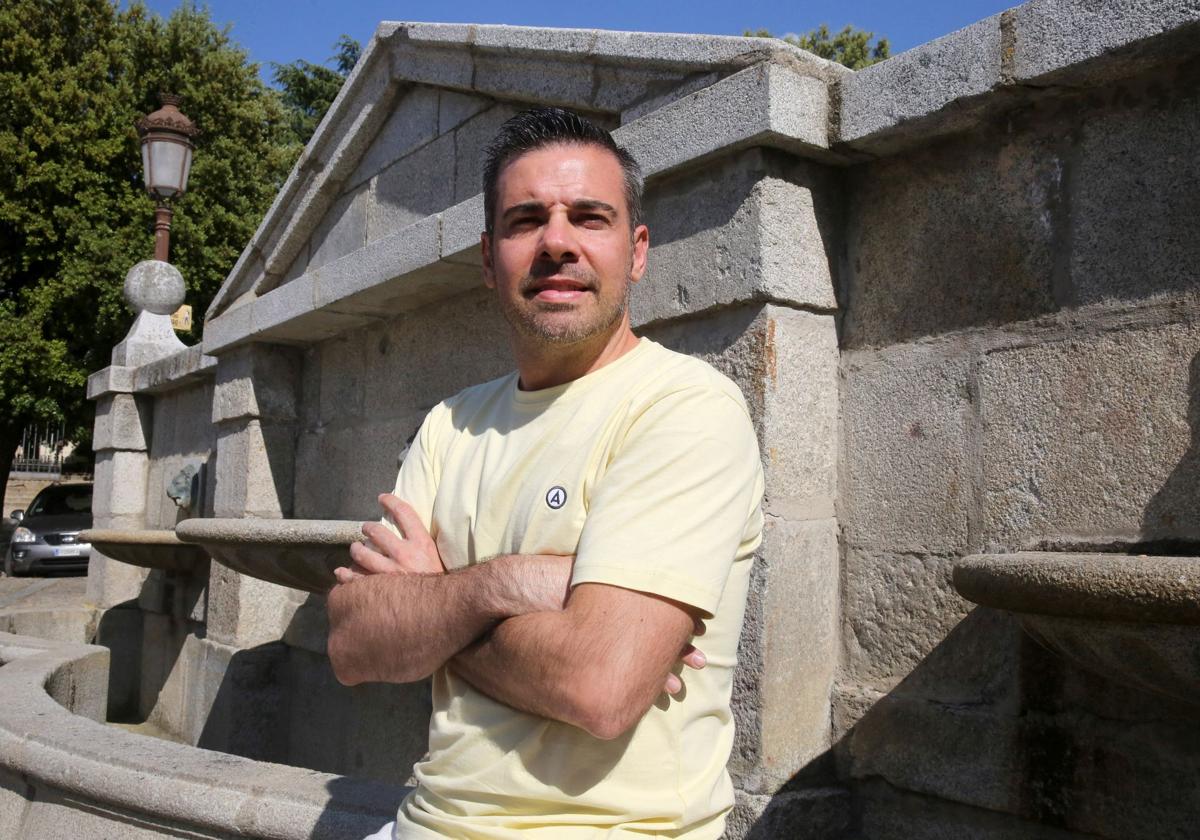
309	89
851	47
74	216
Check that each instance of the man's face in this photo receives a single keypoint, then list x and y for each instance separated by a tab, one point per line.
562	254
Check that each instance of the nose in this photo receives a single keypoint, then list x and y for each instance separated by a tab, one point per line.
558	239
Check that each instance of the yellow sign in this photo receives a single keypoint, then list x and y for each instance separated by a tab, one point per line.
181	319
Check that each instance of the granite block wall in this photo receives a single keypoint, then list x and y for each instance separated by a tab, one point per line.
1020	339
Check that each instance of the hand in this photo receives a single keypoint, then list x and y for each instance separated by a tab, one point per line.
387	554
692	657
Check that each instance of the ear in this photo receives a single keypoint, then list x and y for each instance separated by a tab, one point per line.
489	272
641	248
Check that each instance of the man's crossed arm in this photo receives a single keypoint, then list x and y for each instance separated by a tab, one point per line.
595	657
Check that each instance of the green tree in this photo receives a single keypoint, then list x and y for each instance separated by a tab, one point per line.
309	89
74	216
851	47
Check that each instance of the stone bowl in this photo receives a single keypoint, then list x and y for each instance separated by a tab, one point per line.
300	553
147	548
1132	619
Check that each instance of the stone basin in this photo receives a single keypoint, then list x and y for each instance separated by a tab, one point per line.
1132	619
147	548
300	553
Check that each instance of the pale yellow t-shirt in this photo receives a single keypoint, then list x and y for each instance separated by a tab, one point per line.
648	471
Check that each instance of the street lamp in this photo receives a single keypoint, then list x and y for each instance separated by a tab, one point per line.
166	158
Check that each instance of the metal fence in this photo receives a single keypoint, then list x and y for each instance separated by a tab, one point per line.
41	450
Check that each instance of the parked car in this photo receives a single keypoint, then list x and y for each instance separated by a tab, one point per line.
47	535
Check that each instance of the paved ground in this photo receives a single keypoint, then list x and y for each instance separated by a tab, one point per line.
35	592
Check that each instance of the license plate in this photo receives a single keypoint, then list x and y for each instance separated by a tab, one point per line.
67	552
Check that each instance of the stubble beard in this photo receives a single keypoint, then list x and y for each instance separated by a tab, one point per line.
530	320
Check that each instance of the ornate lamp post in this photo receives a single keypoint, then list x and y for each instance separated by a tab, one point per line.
166	158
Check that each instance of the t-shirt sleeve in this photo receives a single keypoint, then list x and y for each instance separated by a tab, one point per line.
417	481
679	501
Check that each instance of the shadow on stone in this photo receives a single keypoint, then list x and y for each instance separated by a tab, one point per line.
1170	521
994	735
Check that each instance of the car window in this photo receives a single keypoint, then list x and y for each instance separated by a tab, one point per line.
58	501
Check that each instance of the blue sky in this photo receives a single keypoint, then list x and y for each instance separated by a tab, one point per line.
285	30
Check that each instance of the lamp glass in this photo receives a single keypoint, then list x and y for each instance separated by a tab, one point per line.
167	163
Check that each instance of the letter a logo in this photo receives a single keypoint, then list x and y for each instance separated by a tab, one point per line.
556	497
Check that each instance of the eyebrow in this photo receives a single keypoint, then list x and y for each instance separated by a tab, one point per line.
579	204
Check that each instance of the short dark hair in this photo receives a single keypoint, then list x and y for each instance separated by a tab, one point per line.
541	127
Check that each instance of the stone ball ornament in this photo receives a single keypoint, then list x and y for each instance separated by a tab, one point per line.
154	286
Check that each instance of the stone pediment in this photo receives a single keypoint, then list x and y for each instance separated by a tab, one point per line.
389	184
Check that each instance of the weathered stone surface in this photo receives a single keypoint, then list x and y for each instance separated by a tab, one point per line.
968	755
413	123
372	731
187	366
122	422
1053	35
76	624
532	77
343	229
1113	779
298	266
179	441
395	274
154	286
114	379
233	325
455	108
470	139
921	82
762	102
810	814
906	417
787	657
341	471
416	360
245	611
958	236
1105	587
1101	448
416	186
111	582
461	226
149	339
752	227
342	362
254	470
799	428
1133	171
360	111
889	813
297	553
120	484
642	103
259	381
444	67
898	609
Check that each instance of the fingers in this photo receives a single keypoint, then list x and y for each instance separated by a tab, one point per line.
408	522
674	685
693	657
344	574
384	540
372	562
698	628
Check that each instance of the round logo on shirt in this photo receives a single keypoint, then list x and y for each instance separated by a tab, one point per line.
556	497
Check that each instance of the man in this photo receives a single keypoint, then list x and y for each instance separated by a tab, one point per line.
567	530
